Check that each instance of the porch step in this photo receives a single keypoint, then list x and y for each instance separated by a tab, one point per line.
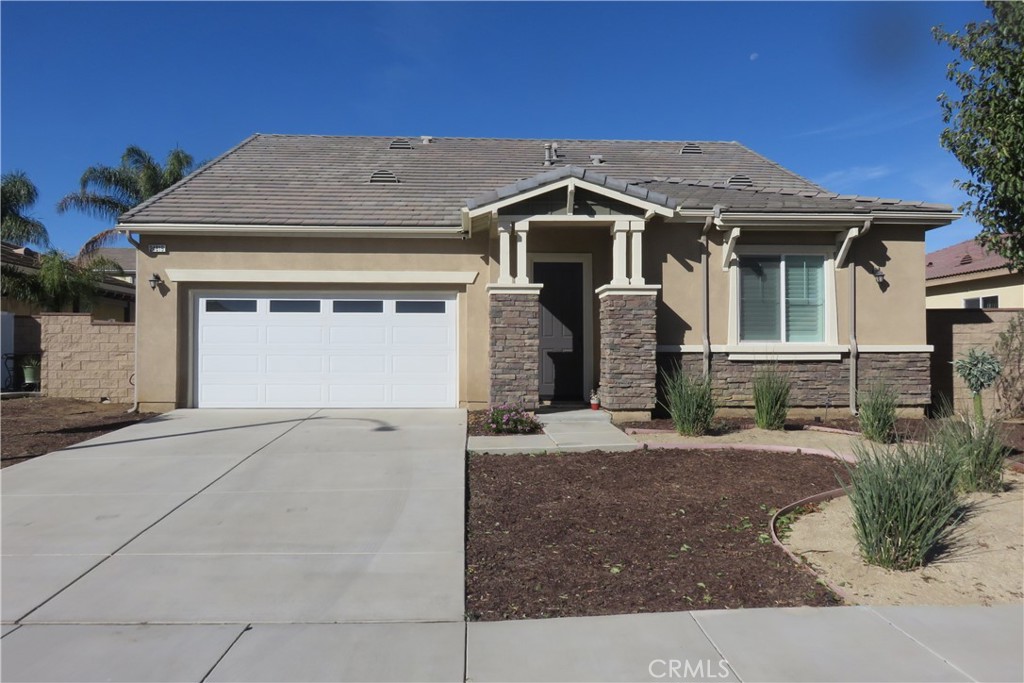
549	416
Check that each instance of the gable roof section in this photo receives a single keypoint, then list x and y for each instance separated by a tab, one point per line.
122	256
960	259
323	181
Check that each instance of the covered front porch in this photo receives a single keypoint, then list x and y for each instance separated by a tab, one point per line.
570	308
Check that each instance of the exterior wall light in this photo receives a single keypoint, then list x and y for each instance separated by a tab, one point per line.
155	281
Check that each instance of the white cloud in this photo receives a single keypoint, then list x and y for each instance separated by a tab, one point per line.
847	178
754	56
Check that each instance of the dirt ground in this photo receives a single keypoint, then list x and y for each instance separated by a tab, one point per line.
984	566
840	444
648	531
30	427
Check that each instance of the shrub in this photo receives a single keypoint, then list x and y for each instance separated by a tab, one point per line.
977	446
511	418
979	370
1009	350
771	398
877	414
689	401
905	503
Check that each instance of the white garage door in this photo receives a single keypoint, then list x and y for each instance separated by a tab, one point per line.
314	351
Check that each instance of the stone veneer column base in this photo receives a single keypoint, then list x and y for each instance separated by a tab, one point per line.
515	345
628	350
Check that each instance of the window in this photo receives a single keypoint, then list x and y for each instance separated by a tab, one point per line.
419	307
782	298
231	305
294	306
358	306
982	302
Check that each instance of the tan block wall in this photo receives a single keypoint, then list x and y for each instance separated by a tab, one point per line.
953	332
87	360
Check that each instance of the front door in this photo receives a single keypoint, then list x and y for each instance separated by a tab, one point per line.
561	330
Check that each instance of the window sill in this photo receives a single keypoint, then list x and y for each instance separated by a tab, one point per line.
791	351
785	356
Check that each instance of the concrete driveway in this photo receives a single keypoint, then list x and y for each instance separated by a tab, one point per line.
240	545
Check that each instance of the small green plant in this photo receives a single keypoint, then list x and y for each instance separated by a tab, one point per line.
979	370
689	401
877	413
511	418
977	445
905	502
771	398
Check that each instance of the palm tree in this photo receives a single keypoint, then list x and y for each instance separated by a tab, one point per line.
109	191
17	195
58	283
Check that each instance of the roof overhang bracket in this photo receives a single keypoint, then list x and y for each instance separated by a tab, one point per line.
730	246
844	241
467	222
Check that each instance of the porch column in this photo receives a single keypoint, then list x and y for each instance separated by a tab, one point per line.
619	231
522	229
636	268
504	255
628	350
514	351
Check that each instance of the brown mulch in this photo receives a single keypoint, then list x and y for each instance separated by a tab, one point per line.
35	426
649	531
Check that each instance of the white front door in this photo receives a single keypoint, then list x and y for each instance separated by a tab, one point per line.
349	350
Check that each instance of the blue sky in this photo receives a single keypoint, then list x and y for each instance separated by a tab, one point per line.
842	93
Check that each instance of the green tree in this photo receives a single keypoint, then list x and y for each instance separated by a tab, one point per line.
17	196
108	191
59	283
985	128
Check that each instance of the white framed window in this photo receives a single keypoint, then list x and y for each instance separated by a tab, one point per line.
982	302
783	298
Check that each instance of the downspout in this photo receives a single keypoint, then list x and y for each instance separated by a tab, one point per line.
854	351
135	385
705	294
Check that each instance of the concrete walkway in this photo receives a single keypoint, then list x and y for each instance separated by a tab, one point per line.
564	431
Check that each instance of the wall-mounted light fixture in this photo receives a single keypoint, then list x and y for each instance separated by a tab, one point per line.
155	281
879	275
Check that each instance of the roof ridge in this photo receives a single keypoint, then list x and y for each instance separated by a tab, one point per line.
189	178
510	139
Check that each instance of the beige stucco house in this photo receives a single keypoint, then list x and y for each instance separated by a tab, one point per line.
967	276
377	271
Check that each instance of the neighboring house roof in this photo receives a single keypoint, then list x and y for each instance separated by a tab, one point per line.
122	256
24	258
295	180
960	259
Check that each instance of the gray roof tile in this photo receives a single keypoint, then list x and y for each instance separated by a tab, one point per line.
324	181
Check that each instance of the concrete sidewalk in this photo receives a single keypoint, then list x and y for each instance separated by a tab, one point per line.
566	431
793	644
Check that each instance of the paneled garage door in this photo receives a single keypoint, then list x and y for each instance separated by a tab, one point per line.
343	351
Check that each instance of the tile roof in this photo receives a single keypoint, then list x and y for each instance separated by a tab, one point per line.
297	180
960	259
23	257
122	256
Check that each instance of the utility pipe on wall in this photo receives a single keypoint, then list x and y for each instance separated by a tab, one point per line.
705	296
135	385
854	351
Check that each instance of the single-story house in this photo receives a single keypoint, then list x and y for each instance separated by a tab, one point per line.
115	301
124	257
965	275
426	271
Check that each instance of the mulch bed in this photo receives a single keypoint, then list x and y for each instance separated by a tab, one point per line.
36	426
477	424
649	531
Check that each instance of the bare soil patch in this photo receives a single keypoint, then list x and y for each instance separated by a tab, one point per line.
35	426
648	531
984	566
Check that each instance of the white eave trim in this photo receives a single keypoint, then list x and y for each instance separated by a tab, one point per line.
291	230
574	183
413	277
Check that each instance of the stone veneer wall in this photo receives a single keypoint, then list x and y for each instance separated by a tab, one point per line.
628	352
87	360
815	384
515	348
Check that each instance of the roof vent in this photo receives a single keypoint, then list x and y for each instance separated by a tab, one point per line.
400	143
966	259
691	148
740	180
426	139
596	159
383	177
